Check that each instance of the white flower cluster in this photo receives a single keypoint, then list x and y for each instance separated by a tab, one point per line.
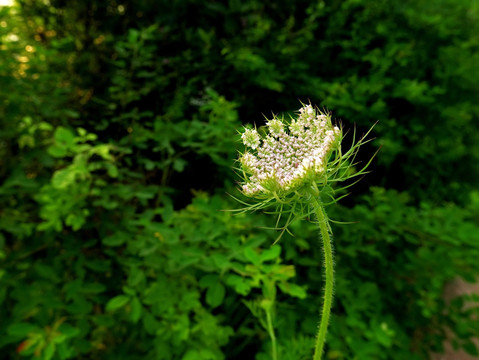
285	159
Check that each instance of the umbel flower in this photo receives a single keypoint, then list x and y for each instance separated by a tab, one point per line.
295	164
290	156
294	167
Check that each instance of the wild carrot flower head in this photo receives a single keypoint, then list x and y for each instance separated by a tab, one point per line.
295	162
290	155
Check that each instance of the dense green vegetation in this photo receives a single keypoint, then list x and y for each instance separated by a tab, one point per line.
118	131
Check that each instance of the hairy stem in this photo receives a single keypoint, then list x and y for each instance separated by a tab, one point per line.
329	272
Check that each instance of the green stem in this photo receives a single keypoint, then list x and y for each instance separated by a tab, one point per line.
329	271
269	321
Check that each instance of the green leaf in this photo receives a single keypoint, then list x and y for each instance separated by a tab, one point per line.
92	288
179	165
26	140
252	255
64	351
208	280
117	239
129	291
241	285
293	290
64	137
112	170
191	354
68	330
136	309
215	294
57	151
99	265
117	302
271	253
22	329
46	272
79	306
103	151
75	220
220	260
63	178
135	277
49	351
470	348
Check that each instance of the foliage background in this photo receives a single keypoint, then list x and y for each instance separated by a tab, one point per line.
118	133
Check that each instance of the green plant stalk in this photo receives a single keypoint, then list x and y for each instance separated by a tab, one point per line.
269	322
329	272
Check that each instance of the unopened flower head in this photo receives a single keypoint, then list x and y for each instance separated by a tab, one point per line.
276	127
291	155
251	138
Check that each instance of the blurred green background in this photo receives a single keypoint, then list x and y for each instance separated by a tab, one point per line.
118	131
